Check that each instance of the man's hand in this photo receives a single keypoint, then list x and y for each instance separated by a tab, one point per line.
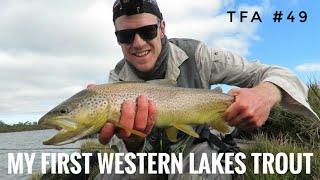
252	105
140	116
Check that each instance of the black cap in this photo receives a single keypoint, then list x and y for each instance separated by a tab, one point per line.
131	7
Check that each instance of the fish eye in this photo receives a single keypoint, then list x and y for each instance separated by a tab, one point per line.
63	110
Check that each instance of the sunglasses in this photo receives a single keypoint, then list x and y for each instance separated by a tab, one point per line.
147	33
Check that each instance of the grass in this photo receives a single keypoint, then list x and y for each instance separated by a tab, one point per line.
297	128
314	95
263	144
289	133
92	146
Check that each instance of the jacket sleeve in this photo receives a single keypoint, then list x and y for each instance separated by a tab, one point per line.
219	66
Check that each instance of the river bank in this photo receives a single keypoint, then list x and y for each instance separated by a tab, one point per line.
20	127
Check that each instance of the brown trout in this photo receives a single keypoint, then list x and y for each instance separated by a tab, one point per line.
178	108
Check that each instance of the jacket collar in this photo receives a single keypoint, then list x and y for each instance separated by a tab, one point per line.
176	57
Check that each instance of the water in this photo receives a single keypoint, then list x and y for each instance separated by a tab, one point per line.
29	142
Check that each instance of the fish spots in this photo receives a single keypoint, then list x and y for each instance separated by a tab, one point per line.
91	106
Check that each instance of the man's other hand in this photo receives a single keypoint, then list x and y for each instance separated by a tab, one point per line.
252	105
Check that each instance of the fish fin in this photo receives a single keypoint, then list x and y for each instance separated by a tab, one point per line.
172	134
186	129
164	82
217	89
135	132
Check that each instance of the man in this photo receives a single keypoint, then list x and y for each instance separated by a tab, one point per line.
148	55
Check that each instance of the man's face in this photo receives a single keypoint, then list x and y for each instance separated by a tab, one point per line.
140	53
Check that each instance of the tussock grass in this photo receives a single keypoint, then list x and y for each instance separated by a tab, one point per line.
314	95
289	133
90	146
94	146
35	176
298	128
264	144
94	171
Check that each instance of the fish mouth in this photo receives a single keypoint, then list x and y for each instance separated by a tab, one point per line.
68	131
59	124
